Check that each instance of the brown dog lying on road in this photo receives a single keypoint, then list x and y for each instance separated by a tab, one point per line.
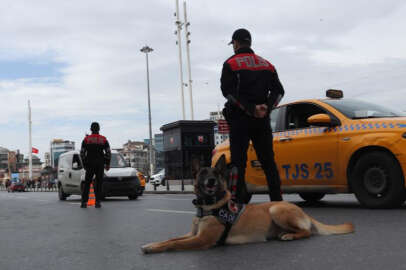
216	224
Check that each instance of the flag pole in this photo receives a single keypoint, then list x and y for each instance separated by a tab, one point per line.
177	32
29	142
187	34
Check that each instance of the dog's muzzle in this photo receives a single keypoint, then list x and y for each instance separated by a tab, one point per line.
210	186
209	200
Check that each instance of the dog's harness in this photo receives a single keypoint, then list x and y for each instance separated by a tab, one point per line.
225	216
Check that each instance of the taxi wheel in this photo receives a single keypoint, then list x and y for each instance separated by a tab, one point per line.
377	181
311	197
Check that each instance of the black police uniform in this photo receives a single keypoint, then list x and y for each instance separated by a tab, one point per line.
251	80
95	154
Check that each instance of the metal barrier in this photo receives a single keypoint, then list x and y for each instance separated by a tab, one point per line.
35	189
183	185
180	186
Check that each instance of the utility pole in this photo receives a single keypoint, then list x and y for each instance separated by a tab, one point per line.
187	34
177	32
147	50
29	142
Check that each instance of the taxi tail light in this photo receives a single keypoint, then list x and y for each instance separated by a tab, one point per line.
213	152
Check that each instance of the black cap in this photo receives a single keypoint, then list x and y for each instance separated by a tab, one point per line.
241	35
95	127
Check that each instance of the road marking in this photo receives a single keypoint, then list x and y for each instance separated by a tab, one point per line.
171	211
169	199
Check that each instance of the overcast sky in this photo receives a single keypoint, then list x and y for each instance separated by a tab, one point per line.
80	61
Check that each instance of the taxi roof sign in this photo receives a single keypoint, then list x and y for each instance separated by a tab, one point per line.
334	93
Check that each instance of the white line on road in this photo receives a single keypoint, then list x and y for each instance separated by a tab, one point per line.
171	211
166	198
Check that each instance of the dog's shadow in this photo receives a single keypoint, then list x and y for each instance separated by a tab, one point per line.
334	204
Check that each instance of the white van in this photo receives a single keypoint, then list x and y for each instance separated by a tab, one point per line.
120	180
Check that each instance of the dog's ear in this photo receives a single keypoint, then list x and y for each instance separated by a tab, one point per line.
221	166
195	167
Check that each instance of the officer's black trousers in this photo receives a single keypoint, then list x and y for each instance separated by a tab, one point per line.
258	130
91	171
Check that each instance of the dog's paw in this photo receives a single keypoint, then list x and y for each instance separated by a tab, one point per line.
286	237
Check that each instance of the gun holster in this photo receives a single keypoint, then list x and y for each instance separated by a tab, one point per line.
227	111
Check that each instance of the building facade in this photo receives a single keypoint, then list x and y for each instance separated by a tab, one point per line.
47	159
14	162
159	151
221	130
3	158
137	154
23	168
58	147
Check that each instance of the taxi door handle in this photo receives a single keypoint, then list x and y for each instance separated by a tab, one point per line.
285	139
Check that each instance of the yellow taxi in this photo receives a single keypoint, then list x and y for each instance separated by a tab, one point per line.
334	145
142	182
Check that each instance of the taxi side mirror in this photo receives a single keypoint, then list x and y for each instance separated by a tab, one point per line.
322	120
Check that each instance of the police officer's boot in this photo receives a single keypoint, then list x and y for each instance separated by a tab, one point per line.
97	204
275	195
243	196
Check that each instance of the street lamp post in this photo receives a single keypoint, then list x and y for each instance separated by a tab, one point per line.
147	50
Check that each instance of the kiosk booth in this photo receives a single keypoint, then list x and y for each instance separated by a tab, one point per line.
184	142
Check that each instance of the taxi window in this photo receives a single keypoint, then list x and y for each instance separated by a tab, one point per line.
274	118
357	109
297	114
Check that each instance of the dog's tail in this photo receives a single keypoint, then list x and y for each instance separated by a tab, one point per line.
324	229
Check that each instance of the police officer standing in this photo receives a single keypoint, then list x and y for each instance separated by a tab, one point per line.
252	87
96	155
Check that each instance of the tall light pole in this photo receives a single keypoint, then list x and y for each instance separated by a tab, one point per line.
187	37
29	142
177	32
147	50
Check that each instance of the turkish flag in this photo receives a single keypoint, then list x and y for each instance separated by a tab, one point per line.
35	150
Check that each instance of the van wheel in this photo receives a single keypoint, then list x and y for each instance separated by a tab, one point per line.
312	197
132	197
377	181
62	195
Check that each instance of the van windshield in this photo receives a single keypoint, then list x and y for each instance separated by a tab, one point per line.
117	161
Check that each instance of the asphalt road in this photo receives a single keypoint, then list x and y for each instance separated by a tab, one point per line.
39	232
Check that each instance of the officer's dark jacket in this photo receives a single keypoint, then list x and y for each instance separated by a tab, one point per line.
95	151
251	80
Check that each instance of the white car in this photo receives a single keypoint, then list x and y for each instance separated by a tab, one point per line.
158	178
120	180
